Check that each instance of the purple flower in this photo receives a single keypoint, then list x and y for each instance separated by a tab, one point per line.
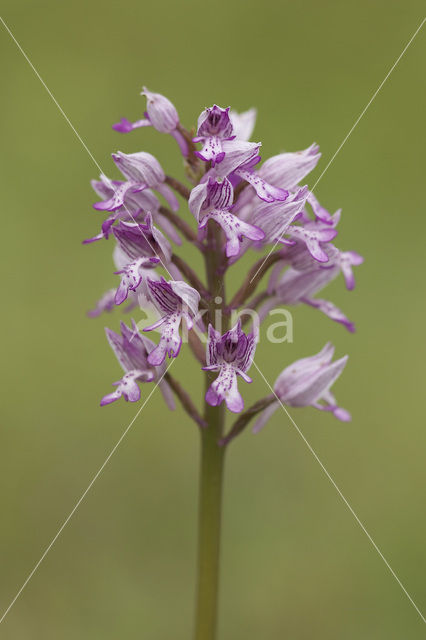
141	247
230	354
141	239
294	285
135	202
132	351
213	200
214	127
275	219
131	277
135	206
306	383
142	171
314	235
306	276
161	114
312	238
239	160
215	131
283	173
176	300
105	303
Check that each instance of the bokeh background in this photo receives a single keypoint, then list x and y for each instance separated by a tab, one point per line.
295	562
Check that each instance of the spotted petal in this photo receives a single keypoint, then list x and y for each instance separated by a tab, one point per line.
225	387
170	341
234	229
238	153
131	277
126	387
313	238
212	150
265	191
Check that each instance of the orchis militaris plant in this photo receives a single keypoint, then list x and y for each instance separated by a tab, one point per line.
236	206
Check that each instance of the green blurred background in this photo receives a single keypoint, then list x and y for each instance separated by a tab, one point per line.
295	562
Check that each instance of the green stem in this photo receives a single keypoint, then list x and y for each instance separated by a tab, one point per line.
211	469
210	507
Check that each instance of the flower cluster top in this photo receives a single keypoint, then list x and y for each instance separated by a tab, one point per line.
237	205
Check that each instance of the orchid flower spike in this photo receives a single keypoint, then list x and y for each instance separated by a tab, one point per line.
256	205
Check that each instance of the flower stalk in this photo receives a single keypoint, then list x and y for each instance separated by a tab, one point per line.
253	278
185	400
209	522
178	187
180	224
211	473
